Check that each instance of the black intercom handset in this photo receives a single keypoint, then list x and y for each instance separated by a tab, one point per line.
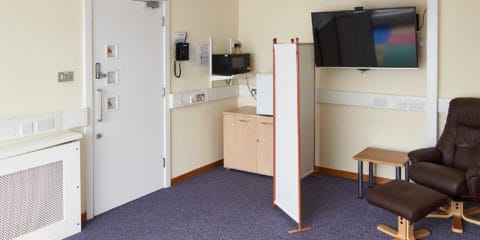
181	54
181	51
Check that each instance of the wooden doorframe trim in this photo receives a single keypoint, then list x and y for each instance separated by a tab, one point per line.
88	95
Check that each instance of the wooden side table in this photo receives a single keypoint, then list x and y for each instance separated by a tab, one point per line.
380	156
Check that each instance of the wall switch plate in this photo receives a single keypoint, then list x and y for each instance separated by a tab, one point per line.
179	37
45	125
27	128
200	97
380	102
65	76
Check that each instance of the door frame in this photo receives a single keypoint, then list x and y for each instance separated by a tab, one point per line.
88	99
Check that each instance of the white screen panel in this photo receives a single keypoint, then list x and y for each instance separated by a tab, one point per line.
307	108
286	131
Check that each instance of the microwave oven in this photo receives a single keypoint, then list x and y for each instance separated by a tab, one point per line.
230	64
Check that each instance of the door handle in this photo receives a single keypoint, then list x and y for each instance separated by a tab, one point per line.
98	71
99	105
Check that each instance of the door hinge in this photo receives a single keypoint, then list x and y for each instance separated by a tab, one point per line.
164	162
163	92
163	21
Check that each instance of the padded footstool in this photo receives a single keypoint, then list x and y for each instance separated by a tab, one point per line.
411	202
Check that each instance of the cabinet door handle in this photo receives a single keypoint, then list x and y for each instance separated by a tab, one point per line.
240	120
266	123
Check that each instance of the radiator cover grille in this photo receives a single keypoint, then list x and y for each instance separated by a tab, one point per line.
31	199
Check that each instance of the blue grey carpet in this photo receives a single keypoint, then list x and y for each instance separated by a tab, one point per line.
224	204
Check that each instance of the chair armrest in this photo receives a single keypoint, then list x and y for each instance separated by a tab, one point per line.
425	155
473	179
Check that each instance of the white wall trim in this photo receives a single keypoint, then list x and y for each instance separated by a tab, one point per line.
377	100
432	72
166	100
347	98
20	127
88	102
184	99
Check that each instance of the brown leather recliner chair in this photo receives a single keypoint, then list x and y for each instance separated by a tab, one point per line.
453	166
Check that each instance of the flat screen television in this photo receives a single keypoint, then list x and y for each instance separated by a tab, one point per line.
367	38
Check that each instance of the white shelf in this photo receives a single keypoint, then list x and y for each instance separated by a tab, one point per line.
222	77
214	78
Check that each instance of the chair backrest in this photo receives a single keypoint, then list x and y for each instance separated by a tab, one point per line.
460	140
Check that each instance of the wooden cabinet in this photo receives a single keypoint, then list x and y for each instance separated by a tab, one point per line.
265	145
248	141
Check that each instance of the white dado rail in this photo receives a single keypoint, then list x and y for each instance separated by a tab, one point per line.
348	98
386	101
19	127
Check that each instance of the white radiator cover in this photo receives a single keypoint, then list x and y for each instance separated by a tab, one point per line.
40	188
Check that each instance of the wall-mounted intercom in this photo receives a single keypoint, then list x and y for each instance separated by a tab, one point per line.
182	52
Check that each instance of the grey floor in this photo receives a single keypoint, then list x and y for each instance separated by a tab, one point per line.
225	204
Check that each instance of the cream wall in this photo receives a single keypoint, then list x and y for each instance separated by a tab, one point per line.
459	48
344	130
37	41
196	131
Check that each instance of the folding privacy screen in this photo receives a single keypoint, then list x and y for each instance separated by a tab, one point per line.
294	124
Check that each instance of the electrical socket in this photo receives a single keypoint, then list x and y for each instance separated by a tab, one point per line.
402	104
380	102
200	97
416	104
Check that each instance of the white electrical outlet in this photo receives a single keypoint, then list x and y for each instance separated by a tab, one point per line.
402	104
200	97
417	104
380	102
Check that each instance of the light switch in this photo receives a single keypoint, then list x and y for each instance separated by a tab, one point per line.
45	125
27	128
65	76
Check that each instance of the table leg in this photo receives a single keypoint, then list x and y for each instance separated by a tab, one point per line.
407	178
360	179
398	173
370	175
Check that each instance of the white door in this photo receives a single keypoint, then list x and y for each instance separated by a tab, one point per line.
128	47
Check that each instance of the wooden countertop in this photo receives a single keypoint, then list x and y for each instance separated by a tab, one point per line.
248	111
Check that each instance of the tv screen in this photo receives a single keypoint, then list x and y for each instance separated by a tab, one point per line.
371	38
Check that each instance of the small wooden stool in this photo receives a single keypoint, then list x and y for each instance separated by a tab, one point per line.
411	202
